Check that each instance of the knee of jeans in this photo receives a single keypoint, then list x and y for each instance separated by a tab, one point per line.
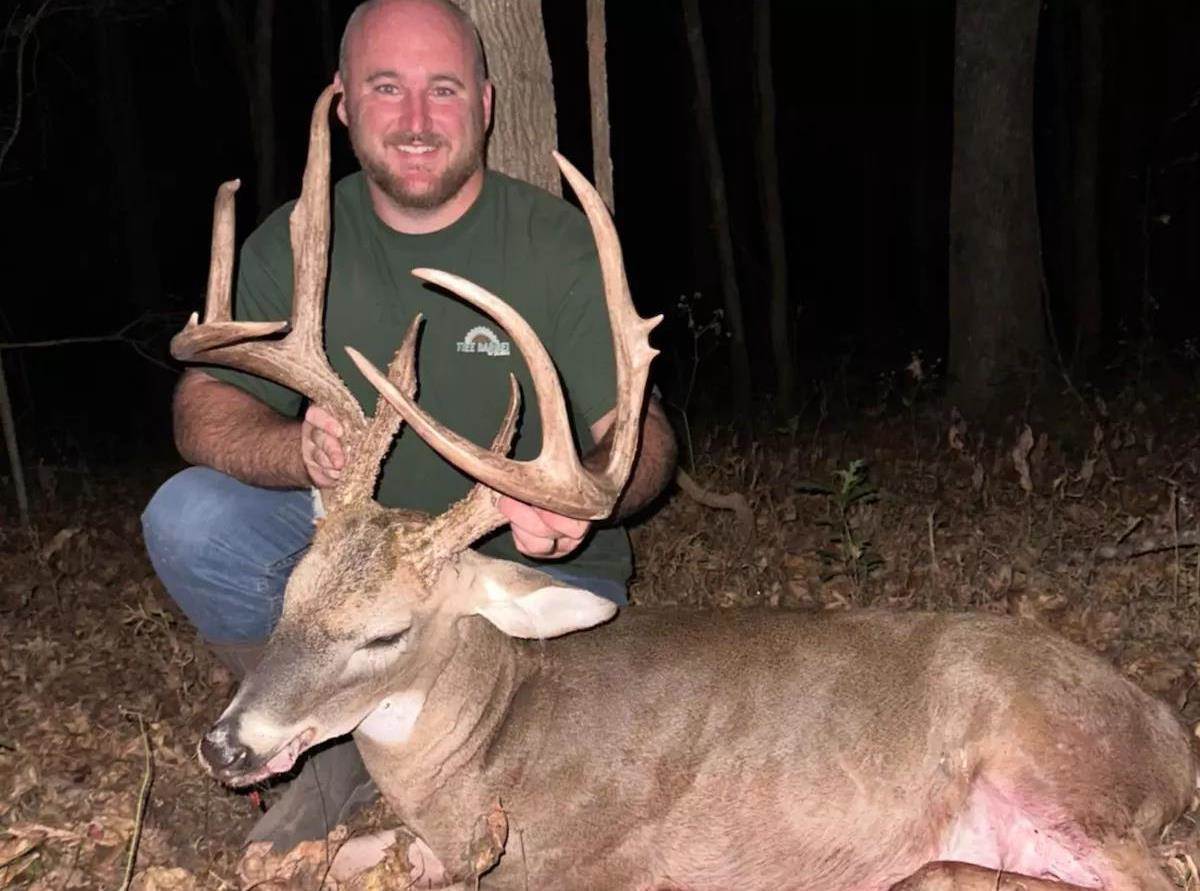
183	516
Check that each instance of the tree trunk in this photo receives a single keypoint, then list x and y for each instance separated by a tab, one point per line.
1084	207
720	210
925	256
875	309
772	211
597	39
328	37
253	60
524	127
262	107
997	331
116	120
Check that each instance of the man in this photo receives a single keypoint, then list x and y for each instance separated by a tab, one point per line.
224	535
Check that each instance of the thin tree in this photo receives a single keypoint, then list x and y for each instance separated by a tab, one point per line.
715	171
116	119
997	330
326	34
21	27
597	40
250	30
1083	204
772	212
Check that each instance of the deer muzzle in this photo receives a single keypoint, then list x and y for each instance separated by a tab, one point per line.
234	763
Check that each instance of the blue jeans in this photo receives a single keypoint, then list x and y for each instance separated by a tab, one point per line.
224	551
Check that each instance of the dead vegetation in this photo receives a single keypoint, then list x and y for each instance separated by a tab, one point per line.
1084	522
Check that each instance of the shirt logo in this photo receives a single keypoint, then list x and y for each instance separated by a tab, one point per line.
482	339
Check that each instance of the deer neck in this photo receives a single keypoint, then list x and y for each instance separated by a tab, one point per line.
446	716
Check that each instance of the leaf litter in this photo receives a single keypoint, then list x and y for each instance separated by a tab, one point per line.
1030	521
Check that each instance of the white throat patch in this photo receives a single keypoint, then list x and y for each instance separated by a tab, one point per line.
393	719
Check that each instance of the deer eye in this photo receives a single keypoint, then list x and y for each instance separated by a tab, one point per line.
385	640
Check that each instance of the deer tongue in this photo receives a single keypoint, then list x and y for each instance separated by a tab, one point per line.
282	761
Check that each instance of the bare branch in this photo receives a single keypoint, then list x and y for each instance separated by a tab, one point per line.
24	31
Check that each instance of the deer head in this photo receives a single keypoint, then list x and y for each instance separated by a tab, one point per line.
368	607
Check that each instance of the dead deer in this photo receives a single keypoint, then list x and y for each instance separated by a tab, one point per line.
700	750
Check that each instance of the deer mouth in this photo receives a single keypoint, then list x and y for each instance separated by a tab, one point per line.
283	759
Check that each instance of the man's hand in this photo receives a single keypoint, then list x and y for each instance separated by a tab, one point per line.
321	447
540	533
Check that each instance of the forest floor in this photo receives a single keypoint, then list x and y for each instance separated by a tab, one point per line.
1046	520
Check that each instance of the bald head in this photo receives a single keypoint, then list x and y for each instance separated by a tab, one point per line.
361	18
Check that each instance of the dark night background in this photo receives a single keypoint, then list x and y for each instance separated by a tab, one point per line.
1067	495
150	92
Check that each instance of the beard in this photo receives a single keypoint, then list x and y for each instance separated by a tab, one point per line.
443	188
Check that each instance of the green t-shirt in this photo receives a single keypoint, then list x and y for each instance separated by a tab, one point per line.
528	247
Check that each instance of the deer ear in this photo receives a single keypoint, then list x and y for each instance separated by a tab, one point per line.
523	602
547	612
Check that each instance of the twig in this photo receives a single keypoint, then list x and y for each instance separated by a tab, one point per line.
9	429
26	31
734	501
140	817
1148	544
8	424
933	562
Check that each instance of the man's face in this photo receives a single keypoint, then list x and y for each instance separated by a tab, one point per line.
414	105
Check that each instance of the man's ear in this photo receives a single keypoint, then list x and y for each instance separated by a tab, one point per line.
523	602
489	97
341	99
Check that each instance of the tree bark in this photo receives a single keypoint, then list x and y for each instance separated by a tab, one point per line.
772	212
524	127
997	331
597	39
714	169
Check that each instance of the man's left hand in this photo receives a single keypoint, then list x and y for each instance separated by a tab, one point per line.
541	533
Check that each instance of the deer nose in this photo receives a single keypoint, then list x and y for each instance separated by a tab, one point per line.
220	752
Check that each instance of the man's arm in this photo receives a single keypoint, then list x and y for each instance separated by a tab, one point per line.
655	463
225	428
541	533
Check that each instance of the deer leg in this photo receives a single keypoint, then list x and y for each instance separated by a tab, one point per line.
359	854
950	875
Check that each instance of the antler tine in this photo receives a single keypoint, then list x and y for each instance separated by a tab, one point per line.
217	328
297	360
630	332
477	514
555	480
363	464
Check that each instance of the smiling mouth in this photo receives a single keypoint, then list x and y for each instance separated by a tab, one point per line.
281	762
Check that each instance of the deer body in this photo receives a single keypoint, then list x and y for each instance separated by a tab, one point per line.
774	750
663	749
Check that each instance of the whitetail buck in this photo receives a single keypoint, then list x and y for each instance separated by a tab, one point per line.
664	749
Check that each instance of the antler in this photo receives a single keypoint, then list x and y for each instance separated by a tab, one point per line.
555	480
298	359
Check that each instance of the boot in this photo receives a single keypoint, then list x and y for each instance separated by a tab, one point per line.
331	785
